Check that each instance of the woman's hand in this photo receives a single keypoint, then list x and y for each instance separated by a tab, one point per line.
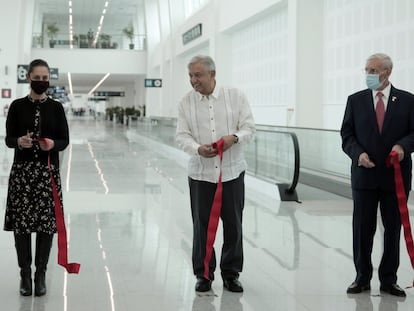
25	141
46	144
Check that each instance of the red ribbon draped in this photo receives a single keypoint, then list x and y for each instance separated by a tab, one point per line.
402	204
214	214
60	226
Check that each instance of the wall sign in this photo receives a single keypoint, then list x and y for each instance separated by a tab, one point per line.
109	94
192	34
23	69
153	82
5	93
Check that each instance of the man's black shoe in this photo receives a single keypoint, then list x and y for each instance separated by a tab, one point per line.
356	288
202	285
233	285
393	289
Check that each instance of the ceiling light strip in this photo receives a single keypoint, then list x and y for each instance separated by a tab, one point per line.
98	84
70	25
101	23
70	84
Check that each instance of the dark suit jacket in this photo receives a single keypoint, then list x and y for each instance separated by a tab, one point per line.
360	134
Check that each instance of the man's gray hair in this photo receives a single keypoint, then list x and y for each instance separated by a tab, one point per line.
207	61
385	59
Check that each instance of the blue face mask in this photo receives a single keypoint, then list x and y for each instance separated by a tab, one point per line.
373	81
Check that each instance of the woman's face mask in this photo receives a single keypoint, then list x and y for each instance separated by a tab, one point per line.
39	86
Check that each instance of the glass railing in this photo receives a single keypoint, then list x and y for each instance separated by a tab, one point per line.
105	41
273	155
321	151
323	164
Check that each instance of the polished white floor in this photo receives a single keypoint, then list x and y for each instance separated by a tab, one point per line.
128	217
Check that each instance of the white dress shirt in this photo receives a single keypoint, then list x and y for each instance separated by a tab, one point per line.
204	120
386	95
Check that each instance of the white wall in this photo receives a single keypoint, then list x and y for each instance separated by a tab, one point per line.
92	61
233	12
297	60
259	63
353	30
16	20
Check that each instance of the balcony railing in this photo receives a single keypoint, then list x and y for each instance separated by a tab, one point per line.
105	41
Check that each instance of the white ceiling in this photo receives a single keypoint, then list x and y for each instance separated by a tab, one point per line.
86	15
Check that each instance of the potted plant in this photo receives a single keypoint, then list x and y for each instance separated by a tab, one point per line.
105	40
109	113
52	30
129	33
75	40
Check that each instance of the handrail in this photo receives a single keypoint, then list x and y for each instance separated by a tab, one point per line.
287	191
297	163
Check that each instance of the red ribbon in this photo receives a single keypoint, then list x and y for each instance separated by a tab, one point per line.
60	226
214	214
402	204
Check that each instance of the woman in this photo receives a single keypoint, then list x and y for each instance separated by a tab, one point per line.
30	205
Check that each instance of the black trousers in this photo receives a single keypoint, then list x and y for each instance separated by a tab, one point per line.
364	227
202	196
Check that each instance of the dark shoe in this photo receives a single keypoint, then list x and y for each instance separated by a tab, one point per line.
40	284
393	289
233	285
26	284
43	246
356	288
23	244
202	285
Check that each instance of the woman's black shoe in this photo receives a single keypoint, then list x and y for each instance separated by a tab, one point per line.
26	285
40	284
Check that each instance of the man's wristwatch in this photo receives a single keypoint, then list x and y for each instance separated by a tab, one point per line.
236	138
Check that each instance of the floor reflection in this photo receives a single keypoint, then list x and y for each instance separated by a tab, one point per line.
298	257
231	301
204	302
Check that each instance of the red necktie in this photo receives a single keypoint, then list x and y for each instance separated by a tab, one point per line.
380	111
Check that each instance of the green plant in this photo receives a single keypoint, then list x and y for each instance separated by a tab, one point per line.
129	32
131	111
110	113
52	30
105	38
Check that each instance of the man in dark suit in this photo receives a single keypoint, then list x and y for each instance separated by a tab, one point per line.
377	120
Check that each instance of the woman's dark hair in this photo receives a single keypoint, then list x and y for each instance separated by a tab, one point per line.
37	63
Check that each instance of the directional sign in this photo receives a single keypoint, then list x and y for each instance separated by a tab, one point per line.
22	71
153	82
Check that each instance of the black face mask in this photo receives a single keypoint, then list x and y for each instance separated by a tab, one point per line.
39	87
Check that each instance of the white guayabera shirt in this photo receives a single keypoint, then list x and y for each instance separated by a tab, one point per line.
204	120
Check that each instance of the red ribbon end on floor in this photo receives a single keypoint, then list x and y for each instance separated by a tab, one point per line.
392	160
60	226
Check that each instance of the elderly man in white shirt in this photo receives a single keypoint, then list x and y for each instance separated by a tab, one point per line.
206	114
